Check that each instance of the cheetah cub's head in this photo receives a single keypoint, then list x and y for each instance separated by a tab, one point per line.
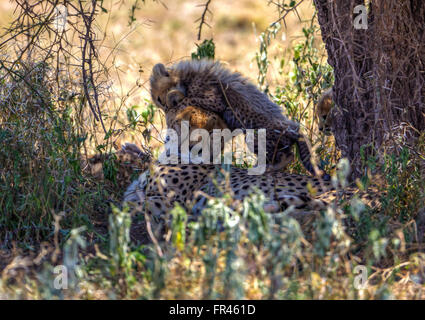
323	112
166	90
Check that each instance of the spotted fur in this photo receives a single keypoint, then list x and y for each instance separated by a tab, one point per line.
165	185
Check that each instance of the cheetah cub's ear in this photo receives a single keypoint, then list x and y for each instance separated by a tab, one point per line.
159	70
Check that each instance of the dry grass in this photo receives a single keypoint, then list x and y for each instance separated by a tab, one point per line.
166	31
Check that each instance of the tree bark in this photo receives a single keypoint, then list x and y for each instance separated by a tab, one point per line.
379	73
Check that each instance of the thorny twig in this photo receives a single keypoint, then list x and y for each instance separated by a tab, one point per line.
34	37
88	40
284	11
202	18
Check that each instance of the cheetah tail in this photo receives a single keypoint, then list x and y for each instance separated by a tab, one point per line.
305	156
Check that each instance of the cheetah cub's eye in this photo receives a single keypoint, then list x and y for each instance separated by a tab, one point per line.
160	100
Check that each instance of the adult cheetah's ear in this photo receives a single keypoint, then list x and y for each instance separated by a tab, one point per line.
160	70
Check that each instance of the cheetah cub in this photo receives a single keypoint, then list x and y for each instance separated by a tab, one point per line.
210	86
323	112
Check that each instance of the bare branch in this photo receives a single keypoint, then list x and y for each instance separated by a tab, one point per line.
202	18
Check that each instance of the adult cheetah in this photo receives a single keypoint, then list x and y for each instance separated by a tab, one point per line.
158	189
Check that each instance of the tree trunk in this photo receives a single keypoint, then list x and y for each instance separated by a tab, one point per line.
379	88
